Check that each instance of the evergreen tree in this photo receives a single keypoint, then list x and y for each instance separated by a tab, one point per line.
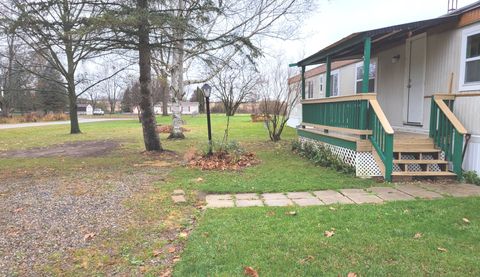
51	95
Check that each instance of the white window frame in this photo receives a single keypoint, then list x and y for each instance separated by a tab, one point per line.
320	86
335	72
310	93
463	86
360	64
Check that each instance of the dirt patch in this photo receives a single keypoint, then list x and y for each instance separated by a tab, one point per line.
70	149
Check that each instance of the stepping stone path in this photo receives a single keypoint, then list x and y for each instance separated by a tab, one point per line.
178	196
375	195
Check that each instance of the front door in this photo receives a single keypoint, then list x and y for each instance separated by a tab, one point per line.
415	79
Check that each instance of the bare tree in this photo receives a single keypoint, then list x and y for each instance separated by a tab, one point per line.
231	28
234	86
278	99
59	32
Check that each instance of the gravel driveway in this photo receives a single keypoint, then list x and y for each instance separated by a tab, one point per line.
41	217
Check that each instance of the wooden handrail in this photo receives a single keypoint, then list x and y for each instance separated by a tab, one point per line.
355	97
452	96
450	116
381	116
338	129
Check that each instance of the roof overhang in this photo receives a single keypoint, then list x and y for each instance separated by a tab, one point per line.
351	47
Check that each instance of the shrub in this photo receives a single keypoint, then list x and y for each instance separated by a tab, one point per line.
322	156
471	177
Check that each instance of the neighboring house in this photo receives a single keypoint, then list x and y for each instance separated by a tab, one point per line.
315	84
397	119
186	108
84	109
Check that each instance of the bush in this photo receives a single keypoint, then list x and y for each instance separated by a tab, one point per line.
321	156
471	177
34	117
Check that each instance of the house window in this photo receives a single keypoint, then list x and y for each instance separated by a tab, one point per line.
335	82
321	84
310	89
359	77
470	65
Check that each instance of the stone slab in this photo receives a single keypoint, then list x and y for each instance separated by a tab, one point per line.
360	196
308	202
274	196
178	199
298	195
215	197
249	203
456	190
332	197
246	196
220	204
417	191
390	194
278	202
178	192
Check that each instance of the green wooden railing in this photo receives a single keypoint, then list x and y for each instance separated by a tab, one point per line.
382	137
356	114
447	131
342	112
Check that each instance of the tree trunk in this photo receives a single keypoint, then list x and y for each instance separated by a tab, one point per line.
74	126
165	95
149	124
177	81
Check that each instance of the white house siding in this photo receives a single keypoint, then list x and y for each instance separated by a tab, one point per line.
347	80
390	84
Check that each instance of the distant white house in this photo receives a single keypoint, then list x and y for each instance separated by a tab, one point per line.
84	109
186	108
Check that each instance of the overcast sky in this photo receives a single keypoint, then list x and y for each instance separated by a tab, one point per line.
335	19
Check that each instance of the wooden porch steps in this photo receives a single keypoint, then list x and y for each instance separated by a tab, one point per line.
426	174
415	156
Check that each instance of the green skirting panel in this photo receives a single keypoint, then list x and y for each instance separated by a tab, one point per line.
326	139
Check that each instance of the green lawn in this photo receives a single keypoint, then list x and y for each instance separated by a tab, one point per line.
369	240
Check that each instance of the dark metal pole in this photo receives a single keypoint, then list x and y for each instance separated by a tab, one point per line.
209	126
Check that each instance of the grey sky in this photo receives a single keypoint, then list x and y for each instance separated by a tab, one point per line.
336	19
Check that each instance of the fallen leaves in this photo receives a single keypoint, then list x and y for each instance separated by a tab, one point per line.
166	273
156	253
309	258
329	234
199	180
417	235
224	161
291	213
270	213
88	236
183	235
441	249
171	249
466	220
352	274
249	271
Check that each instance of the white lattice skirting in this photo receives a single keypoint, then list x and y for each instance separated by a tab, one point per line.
364	163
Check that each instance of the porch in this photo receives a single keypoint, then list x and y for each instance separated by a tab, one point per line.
356	129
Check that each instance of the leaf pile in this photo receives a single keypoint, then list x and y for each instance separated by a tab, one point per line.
167	129
224	161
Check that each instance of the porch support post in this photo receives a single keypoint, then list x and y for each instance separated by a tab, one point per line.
366	64
303	82
328	87
363	117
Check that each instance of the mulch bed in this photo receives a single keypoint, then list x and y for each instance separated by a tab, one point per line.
224	161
